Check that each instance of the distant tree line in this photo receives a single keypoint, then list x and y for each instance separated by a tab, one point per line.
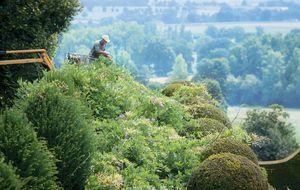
255	69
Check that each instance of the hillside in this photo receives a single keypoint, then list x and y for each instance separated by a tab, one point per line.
140	138
105	125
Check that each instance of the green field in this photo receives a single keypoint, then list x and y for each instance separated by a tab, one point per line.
240	114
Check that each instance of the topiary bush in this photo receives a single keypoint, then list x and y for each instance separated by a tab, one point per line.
64	122
227	171
8	177
209	111
170	89
228	145
199	128
20	147
191	95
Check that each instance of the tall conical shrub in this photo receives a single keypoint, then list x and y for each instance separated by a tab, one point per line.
64	122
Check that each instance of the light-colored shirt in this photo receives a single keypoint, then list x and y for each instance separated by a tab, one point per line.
94	53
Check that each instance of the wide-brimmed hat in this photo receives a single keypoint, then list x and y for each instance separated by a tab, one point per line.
106	38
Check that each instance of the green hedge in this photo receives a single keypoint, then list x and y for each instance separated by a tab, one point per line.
227	171
65	124
228	145
20	146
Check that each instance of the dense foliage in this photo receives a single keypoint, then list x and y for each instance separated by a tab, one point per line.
141	137
64	123
202	127
21	148
94	127
8	177
227	171
275	136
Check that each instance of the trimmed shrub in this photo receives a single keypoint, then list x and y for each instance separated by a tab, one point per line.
227	171
191	95
230	146
8	177
199	128
64	122
209	111
20	146
170	89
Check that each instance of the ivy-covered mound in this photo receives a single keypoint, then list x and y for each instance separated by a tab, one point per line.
139	137
227	171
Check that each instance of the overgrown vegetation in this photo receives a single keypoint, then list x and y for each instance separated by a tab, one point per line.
8	177
141	138
92	126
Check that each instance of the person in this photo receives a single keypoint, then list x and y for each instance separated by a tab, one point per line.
99	48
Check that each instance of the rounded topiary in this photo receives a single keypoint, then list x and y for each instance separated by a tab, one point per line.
227	171
204	126
193	95
209	111
20	147
228	145
170	89
63	121
8	177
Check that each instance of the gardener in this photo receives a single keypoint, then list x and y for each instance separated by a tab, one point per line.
99	48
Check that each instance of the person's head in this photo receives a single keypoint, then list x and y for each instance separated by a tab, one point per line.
105	39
